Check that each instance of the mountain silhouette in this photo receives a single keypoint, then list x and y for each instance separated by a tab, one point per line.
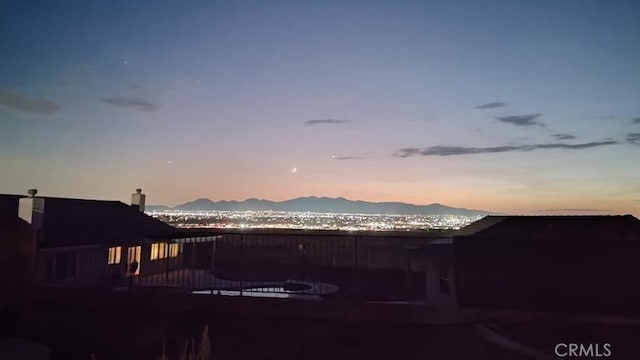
323	205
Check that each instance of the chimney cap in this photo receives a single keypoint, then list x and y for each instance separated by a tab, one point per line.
32	192
139	191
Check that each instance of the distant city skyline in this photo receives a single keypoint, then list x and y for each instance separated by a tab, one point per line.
310	220
521	108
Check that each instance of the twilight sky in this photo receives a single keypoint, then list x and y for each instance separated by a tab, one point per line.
511	106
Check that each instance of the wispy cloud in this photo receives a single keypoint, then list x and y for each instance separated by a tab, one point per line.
521	120
462	150
491	105
636	120
132	103
26	104
564	136
452	150
346	157
77	74
575	210
327	121
633	138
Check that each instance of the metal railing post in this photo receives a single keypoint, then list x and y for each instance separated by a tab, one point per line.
193	262
357	263
167	260
213	254
241	264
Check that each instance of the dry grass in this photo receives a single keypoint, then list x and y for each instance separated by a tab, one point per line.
203	351
189	352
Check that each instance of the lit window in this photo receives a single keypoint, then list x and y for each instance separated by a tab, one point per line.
162	253
154	251
114	255
159	251
173	250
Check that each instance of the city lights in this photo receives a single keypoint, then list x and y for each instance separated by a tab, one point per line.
309	220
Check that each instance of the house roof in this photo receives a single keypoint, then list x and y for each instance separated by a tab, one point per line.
565	228
15	227
11	196
9	205
479	225
70	222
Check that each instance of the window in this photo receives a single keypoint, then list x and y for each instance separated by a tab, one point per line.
114	255
154	251
159	251
133	255
173	250
162	253
444	279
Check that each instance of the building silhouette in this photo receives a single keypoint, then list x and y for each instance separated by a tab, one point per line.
574	264
571	264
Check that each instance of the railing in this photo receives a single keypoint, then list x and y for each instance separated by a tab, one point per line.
269	265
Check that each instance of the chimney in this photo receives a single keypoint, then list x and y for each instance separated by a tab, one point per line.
31	206
137	199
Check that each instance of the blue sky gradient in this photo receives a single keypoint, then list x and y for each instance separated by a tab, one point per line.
217	99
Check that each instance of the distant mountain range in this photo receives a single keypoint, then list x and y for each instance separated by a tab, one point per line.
323	205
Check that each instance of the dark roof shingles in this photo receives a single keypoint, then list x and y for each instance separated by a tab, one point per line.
569	228
85	222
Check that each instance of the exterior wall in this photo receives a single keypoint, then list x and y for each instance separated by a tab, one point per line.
89	265
17	264
29	206
432	260
73	265
148	266
31	210
434	293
